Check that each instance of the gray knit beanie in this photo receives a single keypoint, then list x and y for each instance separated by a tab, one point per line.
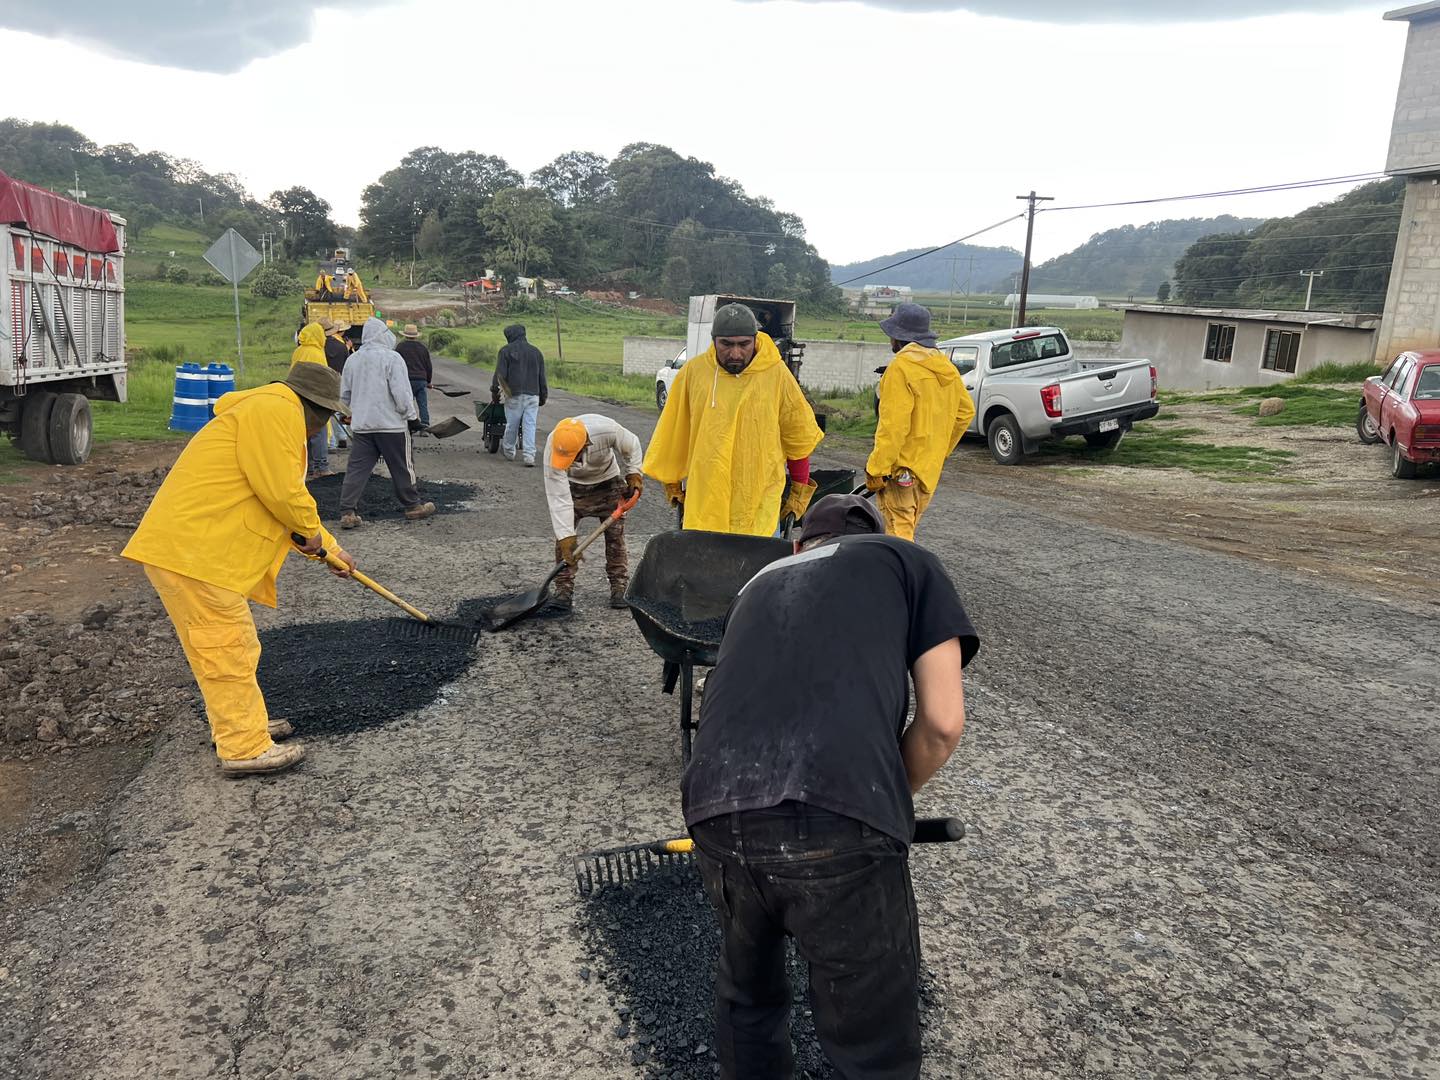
734	320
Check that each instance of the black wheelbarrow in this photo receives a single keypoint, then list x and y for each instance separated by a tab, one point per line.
493	417
827	482
680	592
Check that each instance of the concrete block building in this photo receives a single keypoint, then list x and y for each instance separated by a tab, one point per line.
1412	305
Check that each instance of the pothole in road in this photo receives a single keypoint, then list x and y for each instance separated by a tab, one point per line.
338	677
378	500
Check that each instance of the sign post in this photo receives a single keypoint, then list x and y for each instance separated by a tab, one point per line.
233	258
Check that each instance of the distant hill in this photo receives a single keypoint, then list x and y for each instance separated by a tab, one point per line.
1351	238
1129	261
935	273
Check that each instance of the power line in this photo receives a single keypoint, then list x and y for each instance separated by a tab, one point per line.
942	247
1259	189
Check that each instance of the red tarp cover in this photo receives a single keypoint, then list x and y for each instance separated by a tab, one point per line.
42	211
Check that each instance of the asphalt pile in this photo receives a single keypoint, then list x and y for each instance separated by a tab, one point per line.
670	617
654	944
477	610
112	675
333	678
378	500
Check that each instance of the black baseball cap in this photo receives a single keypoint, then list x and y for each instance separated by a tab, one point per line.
841	515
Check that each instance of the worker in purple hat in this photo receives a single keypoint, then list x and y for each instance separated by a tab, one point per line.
924	410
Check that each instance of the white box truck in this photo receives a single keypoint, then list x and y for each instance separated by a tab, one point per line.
62	319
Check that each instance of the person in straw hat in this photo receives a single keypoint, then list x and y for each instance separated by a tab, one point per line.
419	369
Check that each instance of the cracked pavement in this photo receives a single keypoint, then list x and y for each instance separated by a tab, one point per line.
1197	789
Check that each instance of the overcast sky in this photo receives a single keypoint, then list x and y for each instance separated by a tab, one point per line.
885	125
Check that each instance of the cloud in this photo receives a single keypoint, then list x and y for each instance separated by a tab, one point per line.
219	36
1118	11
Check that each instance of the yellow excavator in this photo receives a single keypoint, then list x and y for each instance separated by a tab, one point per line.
338	295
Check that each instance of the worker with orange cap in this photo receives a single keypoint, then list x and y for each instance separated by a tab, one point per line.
592	464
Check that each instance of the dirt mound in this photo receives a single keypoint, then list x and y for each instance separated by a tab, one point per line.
378	500
104	496
111	676
337	677
654	943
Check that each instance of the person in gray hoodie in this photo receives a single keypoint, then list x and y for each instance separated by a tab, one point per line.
520	377
376	389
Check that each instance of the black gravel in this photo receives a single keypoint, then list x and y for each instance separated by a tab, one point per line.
670	618
378	500
654	944
339	677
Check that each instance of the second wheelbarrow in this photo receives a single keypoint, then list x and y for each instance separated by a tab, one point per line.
680	593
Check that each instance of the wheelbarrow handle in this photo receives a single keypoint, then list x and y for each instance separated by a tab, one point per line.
864	492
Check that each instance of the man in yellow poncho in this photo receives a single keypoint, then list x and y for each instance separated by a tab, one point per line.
735	422
310	349
924	409
215	536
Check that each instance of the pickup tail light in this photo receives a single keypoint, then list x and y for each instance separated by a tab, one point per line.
1154	382
1050	398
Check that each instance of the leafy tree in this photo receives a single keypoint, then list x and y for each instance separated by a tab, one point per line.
573	178
1162	292
306	218
520	221
676	280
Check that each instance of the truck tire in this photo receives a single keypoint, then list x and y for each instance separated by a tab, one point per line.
1365	427
1401	467
35	425
661	395
70	430
1105	441
1003	436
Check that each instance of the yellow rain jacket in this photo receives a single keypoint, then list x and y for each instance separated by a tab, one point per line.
225	513
729	436
311	349
924	409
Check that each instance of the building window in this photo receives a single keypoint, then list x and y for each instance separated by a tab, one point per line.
1282	349
1219	341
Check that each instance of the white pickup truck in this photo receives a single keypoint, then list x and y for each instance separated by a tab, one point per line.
1028	387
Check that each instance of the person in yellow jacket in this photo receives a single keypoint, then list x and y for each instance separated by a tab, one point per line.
924	410
735	422
310	349
215	536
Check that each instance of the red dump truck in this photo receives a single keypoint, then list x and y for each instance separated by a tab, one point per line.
62	319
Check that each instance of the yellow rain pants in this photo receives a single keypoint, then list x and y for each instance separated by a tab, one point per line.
217	632
901	508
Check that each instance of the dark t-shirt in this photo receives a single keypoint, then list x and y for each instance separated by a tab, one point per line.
417	359
336	353
809	697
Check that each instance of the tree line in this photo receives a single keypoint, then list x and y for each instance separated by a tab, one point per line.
1351	239
647	219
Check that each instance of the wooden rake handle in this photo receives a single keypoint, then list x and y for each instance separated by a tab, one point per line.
333	561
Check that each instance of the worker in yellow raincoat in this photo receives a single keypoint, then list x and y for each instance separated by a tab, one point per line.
215	536
924	410
735	422
310	349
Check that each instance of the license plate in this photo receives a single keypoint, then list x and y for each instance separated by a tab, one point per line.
1109	425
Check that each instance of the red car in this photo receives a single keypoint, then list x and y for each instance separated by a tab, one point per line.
1402	408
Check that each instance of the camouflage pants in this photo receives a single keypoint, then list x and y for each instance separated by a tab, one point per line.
599	501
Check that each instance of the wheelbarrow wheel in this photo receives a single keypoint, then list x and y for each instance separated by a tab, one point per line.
492	442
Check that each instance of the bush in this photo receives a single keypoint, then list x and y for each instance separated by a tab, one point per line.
273	284
212	278
478	354
521	305
177	275
440	340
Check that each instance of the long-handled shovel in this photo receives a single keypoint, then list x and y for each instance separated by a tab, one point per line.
522	605
620	866
422	626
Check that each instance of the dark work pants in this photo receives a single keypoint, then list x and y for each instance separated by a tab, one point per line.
598	501
842	891
368	447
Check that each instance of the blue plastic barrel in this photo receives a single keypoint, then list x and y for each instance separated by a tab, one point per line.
192	399
222	381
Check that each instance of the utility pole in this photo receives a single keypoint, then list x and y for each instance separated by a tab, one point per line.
1032	199
202	209
1310	276
75	192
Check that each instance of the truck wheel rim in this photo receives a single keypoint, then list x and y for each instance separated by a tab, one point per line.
1368	423
1003	442
80	435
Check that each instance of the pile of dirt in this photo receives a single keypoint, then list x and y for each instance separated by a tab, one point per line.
378	500
333	678
113	675
105	496
654	944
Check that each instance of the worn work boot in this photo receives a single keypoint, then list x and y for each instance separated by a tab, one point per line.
276	759
349	520
281	729
420	511
617	596
560	604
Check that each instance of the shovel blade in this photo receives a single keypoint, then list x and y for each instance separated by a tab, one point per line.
445	428
517	607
